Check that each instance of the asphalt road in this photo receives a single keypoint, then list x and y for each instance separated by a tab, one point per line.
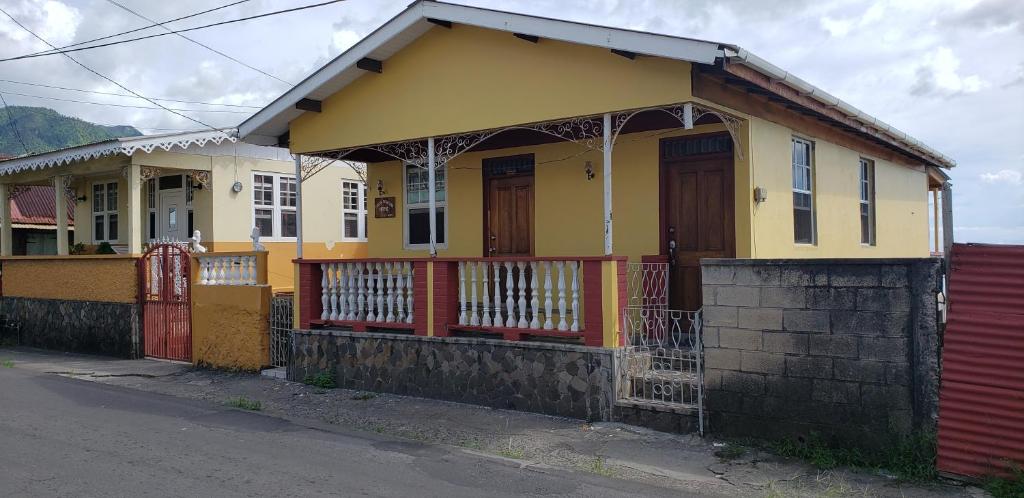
66	437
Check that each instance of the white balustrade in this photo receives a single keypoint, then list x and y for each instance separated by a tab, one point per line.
518	287
227	270
379	292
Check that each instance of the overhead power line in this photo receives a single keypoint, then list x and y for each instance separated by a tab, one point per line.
136	30
97	73
157	35
115	94
218	52
126	105
10	121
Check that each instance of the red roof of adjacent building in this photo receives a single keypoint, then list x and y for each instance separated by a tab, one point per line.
34	206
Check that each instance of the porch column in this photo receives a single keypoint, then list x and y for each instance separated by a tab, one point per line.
60	210
607	171
6	234
298	206
432	195
134	221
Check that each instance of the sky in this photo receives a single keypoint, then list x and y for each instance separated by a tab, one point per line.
948	72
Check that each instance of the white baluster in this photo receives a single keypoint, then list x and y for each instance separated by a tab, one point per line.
244	270
510	302
522	296
343	290
487	297
575	297
204	271
370	299
548	325
535	301
562	325
391	292
462	293
474	318
409	268
324	293
236	270
361	305
400	292
221	279
353	291
497	294
333	278
380	292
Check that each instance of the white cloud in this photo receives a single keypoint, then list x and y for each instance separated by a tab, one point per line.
343	39
837	27
939	74
1003	176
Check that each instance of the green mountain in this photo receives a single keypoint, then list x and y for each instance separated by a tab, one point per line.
44	130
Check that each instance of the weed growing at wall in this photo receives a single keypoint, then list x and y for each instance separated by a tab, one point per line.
7	363
322	380
912	458
1006	487
245	403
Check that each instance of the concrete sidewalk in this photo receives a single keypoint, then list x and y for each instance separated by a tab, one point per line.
686	463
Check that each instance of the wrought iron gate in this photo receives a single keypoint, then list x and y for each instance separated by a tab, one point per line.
281	329
662	356
165	291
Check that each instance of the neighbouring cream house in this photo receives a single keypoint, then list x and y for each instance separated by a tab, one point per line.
131	191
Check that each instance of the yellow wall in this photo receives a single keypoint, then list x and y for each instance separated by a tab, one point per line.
110	278
231	326
901	201
468	78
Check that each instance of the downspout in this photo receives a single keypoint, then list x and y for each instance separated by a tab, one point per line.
298	206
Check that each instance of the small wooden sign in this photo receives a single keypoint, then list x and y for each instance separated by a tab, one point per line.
384	207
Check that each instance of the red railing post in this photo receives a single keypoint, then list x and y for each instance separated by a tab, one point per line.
593	304
446	296
622	268
419	293
310	306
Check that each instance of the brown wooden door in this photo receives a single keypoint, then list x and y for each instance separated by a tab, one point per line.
699	218
510	216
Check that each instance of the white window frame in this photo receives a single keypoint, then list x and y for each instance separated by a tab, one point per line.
866	188
360	210
810	190
406	207
276	208
105	213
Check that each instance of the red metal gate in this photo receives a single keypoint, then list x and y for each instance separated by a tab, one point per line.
165	290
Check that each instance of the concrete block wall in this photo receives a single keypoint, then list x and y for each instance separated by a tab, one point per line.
844	348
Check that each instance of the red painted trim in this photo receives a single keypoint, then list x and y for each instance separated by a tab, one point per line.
310	276
419	292
623	297
658	258
593	306
446	304
456	260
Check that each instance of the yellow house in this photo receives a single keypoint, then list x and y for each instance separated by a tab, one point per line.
499	144
132	191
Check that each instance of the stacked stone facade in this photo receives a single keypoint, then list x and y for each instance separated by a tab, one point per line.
844	348
76	326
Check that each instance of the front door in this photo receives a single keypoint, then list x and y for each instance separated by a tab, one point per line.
172	215
510	216
697	175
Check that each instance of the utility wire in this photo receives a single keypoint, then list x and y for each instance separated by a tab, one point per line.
93	71
126	105
10	121
207	47
97	92
172	32
115	35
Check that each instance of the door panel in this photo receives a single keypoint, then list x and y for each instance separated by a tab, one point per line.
510	216
699	220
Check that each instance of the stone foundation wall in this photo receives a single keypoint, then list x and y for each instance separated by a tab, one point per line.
76	326
845	348
554	379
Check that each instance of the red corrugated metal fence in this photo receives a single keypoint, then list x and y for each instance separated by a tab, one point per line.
981	401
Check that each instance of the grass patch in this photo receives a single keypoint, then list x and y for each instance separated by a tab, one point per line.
598	467
511	451
912	458
322	380
364	396
1006	487
730	451
245	403
7	363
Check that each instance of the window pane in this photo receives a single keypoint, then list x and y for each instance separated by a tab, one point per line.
288	227
151	194
263	190
803	227
172	219
419	226
111	197
287	189
170	182
440	185
415	185
191	223
351	225
98	199
112	227
265	222
152	224
98	232
865	224
350	196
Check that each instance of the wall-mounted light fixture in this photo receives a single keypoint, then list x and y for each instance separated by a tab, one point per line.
380	187
760	194
589	171
81	198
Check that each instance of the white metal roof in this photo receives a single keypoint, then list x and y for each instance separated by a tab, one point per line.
187	141
272	121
